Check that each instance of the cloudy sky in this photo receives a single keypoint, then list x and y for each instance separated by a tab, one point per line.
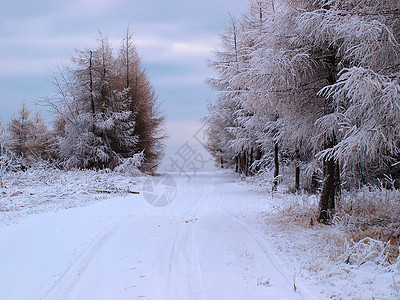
174	39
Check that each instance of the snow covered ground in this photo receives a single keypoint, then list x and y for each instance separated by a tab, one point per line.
44	188
216	239
317	253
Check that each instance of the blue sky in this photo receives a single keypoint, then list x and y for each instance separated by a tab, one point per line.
174	39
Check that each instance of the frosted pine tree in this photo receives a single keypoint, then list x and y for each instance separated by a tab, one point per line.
358	39
107	110
99	124
83	143
148	120
222	119
21	130
283	84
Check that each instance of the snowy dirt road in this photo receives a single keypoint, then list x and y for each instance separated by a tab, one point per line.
203	245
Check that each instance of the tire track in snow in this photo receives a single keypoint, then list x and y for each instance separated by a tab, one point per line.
70	277
184	277
184	270
269	254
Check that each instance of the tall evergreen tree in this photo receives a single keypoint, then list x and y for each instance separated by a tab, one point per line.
318	78
148	120
99	123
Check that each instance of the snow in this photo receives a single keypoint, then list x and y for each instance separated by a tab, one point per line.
44	188
211	242
317	253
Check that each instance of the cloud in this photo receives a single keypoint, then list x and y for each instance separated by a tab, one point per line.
160	49
27	54
92	8
46	43
189	49
194	79
173	39
27	66
36	55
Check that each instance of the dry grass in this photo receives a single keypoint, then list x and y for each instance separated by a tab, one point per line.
366	213
351	252
374	213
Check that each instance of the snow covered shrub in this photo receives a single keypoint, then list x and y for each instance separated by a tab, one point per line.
131	166
371	212
264	176
46	188
28	137
302	208
395	267
367	250
7	163
81	148
8	160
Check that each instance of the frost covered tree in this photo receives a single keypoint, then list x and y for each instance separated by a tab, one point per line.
86	138
8	160
218	120
274	73
21	129
148	119
319	80
228	145
359	42
247	131
364	96
99	123
270	81
29	137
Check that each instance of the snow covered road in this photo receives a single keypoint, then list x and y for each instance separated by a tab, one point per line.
203	245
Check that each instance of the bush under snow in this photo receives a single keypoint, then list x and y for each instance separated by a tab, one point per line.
44	188
130	166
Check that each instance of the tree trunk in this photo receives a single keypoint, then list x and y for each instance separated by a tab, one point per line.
276	165
244	163
91	87
331	174
237	163
297	172
297	179
314	182
127	58
258	156
251	160
330	189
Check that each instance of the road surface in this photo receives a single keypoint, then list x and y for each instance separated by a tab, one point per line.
203	245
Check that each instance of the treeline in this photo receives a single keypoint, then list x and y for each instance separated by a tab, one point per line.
314	85
105	109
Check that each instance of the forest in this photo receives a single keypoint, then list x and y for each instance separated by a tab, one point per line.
304	131
106	116
311	86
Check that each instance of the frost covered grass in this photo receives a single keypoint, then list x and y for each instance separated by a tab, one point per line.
43	188
355	258
372	212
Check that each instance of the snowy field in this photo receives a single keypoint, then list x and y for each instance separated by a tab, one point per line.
86	235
